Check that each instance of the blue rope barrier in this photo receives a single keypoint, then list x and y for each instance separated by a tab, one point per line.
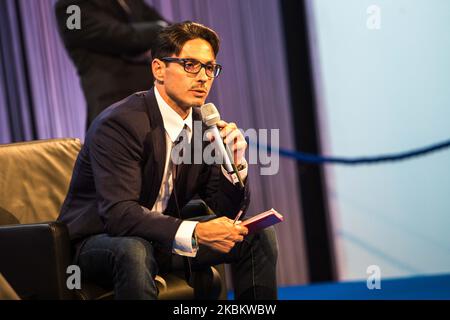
311	158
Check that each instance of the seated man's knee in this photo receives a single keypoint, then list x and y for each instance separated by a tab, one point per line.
136	254
268	242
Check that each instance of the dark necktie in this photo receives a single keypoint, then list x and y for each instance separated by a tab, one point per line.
175	175
179	144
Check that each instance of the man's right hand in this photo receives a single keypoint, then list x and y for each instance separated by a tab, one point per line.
220	234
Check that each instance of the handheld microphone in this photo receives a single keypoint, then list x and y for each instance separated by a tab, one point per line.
210	117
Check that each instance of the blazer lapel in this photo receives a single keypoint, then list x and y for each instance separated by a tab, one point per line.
156	146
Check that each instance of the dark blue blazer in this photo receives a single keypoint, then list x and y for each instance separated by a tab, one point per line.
118	174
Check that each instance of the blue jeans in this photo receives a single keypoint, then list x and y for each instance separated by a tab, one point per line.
128	264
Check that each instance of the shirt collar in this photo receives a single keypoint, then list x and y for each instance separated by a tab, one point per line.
173	123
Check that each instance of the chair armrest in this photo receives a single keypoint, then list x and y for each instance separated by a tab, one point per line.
34	259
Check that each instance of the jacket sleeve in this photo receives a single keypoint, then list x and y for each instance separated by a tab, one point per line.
224	198
116	154
103	33
150	14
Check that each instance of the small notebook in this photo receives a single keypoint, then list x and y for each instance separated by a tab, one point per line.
262	220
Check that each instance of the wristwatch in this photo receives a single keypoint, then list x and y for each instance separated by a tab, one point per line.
194	241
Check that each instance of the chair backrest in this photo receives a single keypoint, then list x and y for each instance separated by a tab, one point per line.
35	177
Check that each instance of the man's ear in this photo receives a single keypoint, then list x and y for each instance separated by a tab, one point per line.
158	69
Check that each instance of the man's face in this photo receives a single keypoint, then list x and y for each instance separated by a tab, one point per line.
184	89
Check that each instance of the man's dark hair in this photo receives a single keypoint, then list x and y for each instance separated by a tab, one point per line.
172	38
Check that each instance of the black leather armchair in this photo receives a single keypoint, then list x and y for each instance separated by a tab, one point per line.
35	250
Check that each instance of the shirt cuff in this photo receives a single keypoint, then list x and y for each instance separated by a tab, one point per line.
243	173
183	244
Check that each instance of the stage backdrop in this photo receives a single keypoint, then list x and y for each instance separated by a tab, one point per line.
383	74
40	95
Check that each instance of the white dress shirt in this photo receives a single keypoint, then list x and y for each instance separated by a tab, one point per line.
174	124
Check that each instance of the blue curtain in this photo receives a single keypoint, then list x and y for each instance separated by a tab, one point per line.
16	109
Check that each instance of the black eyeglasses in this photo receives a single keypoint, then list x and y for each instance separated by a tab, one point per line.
194	66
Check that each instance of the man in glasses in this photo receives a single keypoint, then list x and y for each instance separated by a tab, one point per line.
123	205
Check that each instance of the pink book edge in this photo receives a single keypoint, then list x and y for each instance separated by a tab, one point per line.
263	215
